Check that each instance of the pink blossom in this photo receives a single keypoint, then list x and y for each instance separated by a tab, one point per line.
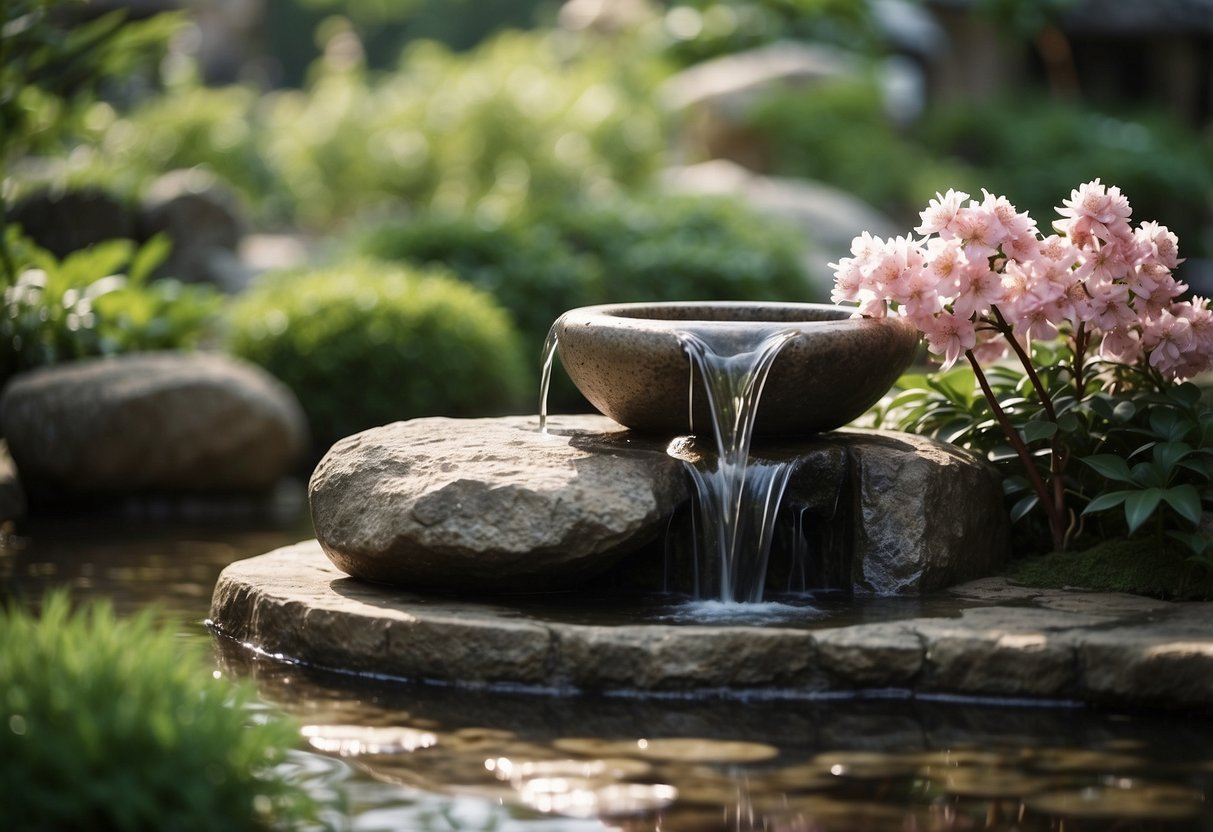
941	212
1036	320
1122	345
1016	290
1110	305
950	336
979	289
1105	261
979	232
1200	317
944	262
1166	339
1094	209
1159	245
990	347
919	295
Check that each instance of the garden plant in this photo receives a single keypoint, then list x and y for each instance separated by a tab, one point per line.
94	302
113	723
1092	404
366	342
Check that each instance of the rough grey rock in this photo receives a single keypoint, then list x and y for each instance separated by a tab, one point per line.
295	603
202	217
729	85
927	515
172	422
67	221
490	504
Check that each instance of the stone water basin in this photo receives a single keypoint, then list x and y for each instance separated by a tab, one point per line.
628	360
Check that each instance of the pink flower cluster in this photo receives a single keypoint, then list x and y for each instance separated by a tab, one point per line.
982	270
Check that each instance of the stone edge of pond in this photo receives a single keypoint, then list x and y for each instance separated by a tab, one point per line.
1010	642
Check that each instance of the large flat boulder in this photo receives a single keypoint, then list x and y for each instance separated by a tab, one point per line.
491	504
150	422
992	639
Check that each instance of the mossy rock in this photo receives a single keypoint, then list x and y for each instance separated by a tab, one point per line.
1139	566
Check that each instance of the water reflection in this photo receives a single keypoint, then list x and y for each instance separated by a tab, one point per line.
390	756
738	765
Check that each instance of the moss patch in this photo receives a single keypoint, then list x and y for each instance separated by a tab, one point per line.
1141	567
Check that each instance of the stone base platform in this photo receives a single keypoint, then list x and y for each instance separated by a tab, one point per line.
1005	642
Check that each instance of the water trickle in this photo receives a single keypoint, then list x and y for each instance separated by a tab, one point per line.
737	499
545	379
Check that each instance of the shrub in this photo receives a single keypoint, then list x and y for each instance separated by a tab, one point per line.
189	125
526	266
516	121
840	133
655	248
105	724
627	249
1025	146
83	306
1022	147
365	343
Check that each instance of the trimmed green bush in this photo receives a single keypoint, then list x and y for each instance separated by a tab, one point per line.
643	248
656	247
365	343
115	724
526	266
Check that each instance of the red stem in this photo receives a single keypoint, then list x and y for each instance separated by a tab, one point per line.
1051	503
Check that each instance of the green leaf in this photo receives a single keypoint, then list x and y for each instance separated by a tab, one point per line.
1068	423
1001	453
1038	429
150	255
1186	394
1168	454
1197	542
1167	424
1014	485
1140	505
1021	508
1109	466
957	384
913	381
1149	475
1185	499
1124	412
1106	501
1101	405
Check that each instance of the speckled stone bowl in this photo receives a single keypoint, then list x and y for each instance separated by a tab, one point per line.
627	360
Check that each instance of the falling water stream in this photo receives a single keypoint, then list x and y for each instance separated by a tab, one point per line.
736	498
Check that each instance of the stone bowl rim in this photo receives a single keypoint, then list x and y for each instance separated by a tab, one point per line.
623	315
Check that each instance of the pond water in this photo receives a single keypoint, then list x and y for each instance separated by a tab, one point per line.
429	757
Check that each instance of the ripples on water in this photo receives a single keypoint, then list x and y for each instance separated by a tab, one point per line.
397	756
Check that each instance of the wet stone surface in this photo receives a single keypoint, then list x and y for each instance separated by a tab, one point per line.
994	640
481	506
